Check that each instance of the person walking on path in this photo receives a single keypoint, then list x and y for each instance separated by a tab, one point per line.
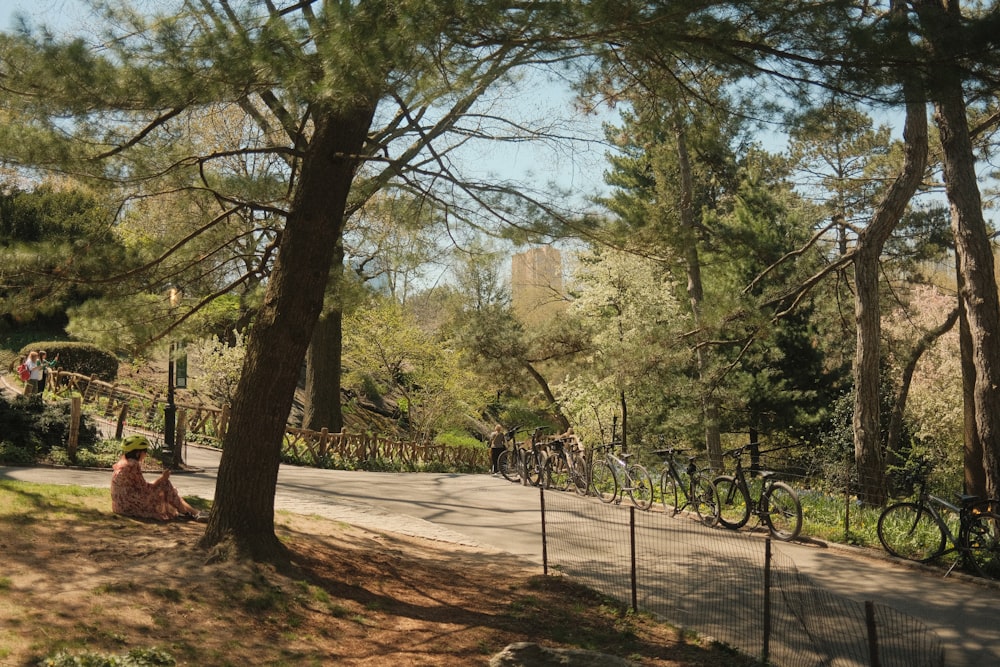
132	495
34	366
497	444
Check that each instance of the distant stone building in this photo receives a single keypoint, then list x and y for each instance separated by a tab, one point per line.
536	285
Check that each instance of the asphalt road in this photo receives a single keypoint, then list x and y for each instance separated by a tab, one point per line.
486	511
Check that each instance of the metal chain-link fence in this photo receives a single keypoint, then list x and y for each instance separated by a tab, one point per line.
725	585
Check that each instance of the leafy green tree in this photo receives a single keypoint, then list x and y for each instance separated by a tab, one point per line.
47	235
341	99
391	354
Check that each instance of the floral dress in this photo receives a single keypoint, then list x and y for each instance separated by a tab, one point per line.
132	495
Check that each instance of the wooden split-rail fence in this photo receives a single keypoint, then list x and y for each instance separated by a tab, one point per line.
207	423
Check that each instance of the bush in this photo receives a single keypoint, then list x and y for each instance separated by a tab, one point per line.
33	429
453	439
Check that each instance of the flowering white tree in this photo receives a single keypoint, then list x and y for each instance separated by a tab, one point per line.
634	320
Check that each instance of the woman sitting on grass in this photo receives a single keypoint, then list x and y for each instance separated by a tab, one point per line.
132	495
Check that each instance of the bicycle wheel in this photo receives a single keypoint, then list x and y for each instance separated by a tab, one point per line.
556	473
734	502
640	486
533	468
782	511
910	531
602	482
578	476
705	501
669	494
507	464
981	537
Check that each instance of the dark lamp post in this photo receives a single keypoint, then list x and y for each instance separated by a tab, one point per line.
170	409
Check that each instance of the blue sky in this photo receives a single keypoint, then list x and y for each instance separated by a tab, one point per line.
578	166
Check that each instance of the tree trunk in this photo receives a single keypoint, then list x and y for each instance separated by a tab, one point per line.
696	294
868	455
972	450
943	29
322	407
248	472
549	396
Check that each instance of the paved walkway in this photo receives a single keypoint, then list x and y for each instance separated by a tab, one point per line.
479	510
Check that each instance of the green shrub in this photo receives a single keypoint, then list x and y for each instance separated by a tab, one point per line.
33	429
15	455
455	439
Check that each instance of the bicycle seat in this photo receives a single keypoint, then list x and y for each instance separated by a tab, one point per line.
967	500
669	451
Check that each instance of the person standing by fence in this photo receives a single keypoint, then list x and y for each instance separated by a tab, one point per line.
46	366
34	366
497	444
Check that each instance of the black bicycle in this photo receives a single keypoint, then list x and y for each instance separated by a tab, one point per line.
920	530
687	489
565	467
612	476
774	503
522	461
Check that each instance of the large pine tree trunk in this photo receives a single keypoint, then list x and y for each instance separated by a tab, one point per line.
248	472
696	294
322	408
972	450
868	454
943	28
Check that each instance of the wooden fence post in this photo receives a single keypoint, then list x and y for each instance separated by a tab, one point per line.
75	411
873	655
324	444
120	426
224	421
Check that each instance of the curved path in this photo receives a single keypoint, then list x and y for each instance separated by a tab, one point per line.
480	510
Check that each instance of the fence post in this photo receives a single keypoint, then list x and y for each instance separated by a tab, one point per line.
545	544
631	542
847	513
120	426
75	410
873	657
766	649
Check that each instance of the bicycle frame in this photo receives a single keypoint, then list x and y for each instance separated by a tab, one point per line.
698	491
775	504
928	502
625	478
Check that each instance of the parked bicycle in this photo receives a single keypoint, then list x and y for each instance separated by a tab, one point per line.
687	489
774	503
921	531
612	476
508	462
565	466
522	461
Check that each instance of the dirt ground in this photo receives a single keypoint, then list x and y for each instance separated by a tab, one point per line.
87	580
